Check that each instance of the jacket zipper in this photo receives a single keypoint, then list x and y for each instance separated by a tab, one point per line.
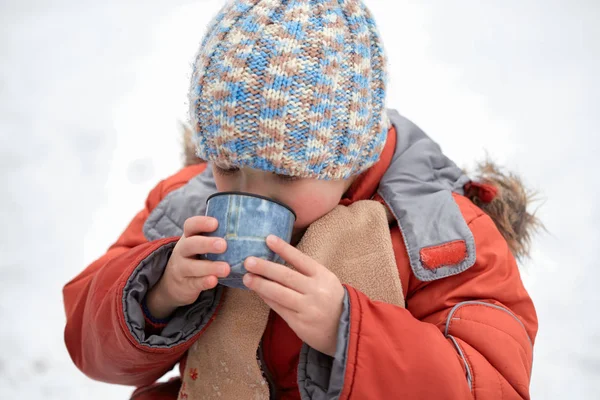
266	373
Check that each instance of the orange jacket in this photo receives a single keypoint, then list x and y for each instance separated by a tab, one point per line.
467	335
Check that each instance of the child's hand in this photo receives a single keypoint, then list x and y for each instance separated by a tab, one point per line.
185	275
308	299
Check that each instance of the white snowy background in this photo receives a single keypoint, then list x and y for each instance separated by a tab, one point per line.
91	93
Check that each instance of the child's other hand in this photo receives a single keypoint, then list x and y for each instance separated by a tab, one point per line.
309	299
185	275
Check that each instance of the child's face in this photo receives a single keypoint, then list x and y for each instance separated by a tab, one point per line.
309	198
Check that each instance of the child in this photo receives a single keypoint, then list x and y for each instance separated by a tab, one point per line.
287	101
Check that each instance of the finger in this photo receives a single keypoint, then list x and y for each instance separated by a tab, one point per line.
205	283
303	263
283	312
270	290
199	268
278	273
195	245
199	224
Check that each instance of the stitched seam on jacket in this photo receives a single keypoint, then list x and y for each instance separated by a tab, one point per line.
499	330
465	361
360	313
500	383
155	232
169	219
165	215
155	215
483	303
472	207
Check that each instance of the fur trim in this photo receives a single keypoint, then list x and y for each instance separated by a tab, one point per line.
509	209
189	148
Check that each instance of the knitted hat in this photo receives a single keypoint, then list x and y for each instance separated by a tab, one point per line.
295	87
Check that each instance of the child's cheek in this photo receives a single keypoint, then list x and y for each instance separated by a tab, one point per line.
309	208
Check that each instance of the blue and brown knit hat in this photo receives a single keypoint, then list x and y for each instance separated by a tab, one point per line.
294	87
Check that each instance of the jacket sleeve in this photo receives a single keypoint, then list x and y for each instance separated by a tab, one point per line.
106	333
466	336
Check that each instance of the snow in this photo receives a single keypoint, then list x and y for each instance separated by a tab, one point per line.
90	98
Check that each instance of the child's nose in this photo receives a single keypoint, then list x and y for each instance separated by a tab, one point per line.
256	183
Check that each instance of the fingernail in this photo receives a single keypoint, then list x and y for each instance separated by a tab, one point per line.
223	269
219	245
250	262
247	279
272	239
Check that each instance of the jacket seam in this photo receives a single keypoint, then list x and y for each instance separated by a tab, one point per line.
477	218
495	306
500	383
466	362
166	189
165	192
485	304
152	230
499	330
165	215
472	207
358	330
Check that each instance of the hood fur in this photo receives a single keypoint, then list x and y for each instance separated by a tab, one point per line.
510	209
189	148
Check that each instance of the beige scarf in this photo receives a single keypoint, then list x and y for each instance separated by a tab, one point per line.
353	242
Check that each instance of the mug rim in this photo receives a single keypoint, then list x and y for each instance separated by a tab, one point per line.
257	196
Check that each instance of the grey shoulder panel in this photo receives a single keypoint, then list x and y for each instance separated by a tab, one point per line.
418	189
167	219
